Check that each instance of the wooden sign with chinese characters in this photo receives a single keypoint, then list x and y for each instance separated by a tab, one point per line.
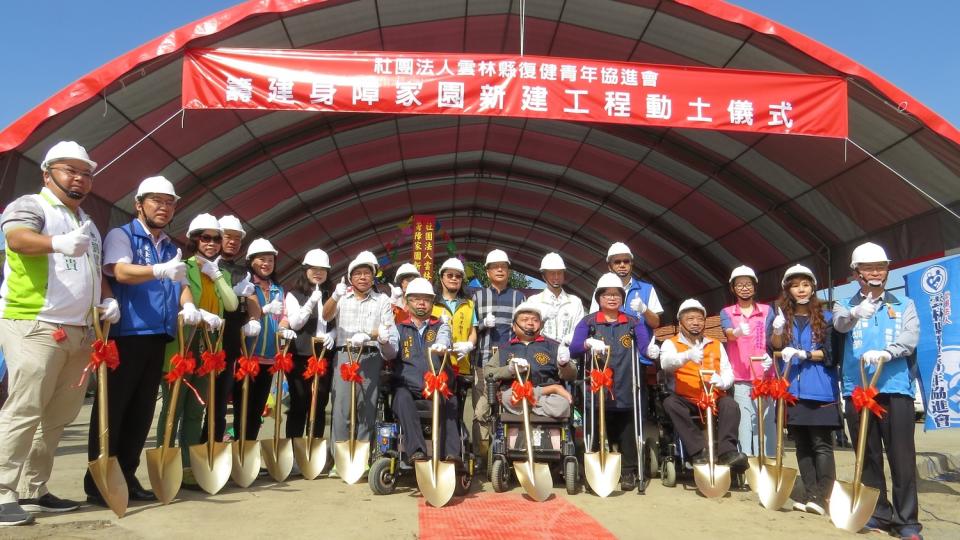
424	228
568	89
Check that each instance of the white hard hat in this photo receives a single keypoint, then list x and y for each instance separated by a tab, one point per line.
419	286
531	307
743	271
496	256
868	253
66	150
367	257
231	223
452	264
691	303
260	245
609	281
361	260
203	222
317	258
156	184
618	248
798	270
406	269
552	261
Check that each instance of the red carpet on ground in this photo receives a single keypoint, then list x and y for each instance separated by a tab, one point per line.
507	515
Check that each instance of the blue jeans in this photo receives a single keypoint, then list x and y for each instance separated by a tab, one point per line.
747	432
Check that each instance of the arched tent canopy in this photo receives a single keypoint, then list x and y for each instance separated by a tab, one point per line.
692	204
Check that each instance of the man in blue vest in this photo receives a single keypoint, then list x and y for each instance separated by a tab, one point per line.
881	328
144	269
642	301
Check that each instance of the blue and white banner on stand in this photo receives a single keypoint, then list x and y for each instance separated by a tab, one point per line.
938	353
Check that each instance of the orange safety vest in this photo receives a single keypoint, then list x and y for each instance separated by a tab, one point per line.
687	379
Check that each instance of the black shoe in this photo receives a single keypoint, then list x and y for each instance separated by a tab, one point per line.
137	493
417	456
96	500
700	458
628	481
11	514
734	459
455	459
48	503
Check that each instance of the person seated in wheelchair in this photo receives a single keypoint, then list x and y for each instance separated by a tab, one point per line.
545	361
682	357
420	333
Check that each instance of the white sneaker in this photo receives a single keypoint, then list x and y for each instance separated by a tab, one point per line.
799	506
815	508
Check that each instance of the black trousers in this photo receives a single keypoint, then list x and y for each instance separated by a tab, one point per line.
223	392
405	410
815	461
894	433
132	399
620	431
727	422
260	387
300	395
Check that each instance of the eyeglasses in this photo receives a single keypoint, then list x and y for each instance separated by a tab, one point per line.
618	262
210	239
157	201
452	276
70	171
743	286
610	295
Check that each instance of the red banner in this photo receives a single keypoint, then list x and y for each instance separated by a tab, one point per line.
421	240
549	87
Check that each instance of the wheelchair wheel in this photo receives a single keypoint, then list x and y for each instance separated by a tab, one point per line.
668	473
500	476
382	481
489	462
653	457
571	476
464	481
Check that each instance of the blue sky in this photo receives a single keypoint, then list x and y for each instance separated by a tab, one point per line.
49	43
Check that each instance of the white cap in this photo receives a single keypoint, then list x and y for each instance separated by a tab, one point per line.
453	264
406	269
361	260
317	258
798	270
868	253
260	245
552	261
231	223
156	184
743	271
609	281
420	286
367	257
531	307
618	248
203	222
691	303
496	256
66	150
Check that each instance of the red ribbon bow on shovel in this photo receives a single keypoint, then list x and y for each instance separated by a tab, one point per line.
522	392
600	379
102	353
282	362
246	367
436	383
212	362
315	367
707	400
350	372
180	366
866	397
761	388
780	389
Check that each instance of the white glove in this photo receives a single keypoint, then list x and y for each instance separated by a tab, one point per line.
174	269
244	288
274	307
252	328
210	269
358	339
190	314
287	333
778	323
653	351
742	330
315	297
329	340
694	354
396	293
489	321
865	309
566	340
563	355
383	333
462	348
716	380
521	363
595	345
438	348
874	358
74	243
109	310
767	362
445	318
212	321
340	290
637	305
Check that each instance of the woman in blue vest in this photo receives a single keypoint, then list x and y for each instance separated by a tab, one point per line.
804	342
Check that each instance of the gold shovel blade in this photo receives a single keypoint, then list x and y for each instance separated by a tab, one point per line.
166	472
535	479
311	456
246	462
436	489
752	474
211	477
351	466
774	489
111	483
712	485
604	478
848	513
280	462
